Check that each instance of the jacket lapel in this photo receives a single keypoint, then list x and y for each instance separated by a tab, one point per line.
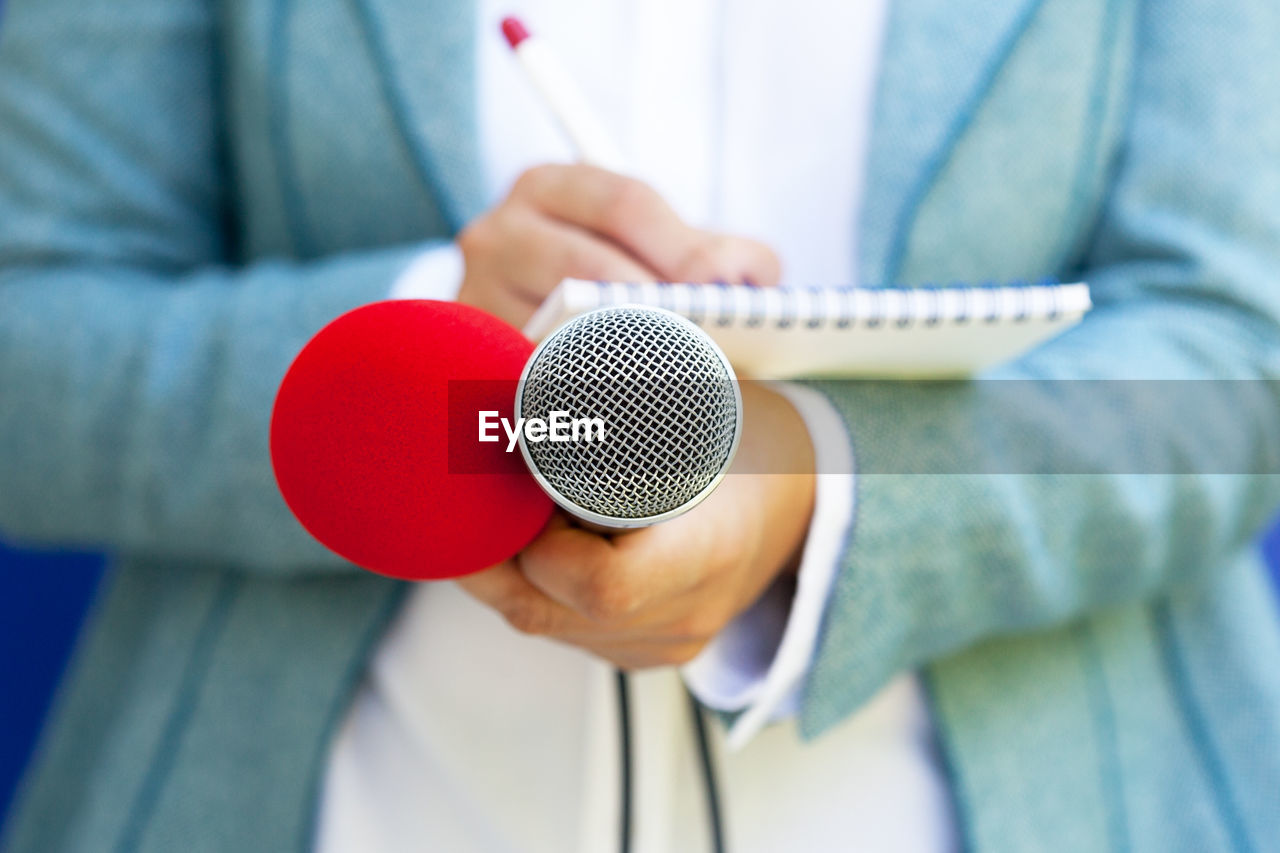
425	58
939	61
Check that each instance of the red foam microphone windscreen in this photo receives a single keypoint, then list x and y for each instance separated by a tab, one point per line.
360	440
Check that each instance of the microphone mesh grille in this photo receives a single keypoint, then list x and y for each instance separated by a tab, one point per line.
667	401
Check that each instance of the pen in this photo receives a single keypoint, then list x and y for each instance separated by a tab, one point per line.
562	96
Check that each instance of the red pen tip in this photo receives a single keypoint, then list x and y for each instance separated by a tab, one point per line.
514	30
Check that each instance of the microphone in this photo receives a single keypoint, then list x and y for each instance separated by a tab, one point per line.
374	447
669	404
361	445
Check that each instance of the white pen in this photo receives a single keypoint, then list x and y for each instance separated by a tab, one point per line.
563	97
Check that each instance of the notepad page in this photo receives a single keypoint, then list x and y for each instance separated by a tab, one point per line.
772	333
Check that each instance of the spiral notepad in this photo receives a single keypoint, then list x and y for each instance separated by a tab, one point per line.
774	333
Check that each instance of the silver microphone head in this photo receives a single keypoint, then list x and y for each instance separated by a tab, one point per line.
668	402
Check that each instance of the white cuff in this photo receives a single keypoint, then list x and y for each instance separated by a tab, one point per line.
758	662
436	273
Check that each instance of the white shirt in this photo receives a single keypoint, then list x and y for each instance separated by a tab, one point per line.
469	736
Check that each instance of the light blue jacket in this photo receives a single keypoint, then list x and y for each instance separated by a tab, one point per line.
189	189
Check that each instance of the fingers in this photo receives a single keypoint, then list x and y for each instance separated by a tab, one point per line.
636	606
515	256
608	581
526	609
732	260
583	222
580	570
633	215
538	247
625	210
521	604
649	654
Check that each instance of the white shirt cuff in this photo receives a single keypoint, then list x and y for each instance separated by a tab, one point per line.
436	273
757	664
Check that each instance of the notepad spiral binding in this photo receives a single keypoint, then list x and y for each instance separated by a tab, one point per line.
843	307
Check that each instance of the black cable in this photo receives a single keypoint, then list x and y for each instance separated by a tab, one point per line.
712	788
624	760
708	775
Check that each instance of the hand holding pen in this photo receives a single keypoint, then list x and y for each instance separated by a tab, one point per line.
586	220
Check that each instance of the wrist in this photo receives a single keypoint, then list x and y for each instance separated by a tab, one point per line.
776	451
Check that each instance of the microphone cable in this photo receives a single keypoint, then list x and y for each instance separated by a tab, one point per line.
714	818
625	813
624	760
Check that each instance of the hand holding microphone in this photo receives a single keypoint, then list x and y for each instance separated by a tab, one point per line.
371	462
656	596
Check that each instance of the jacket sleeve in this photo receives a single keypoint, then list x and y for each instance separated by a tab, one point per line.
1185	271
137	368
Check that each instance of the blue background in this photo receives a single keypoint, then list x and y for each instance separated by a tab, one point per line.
43	599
